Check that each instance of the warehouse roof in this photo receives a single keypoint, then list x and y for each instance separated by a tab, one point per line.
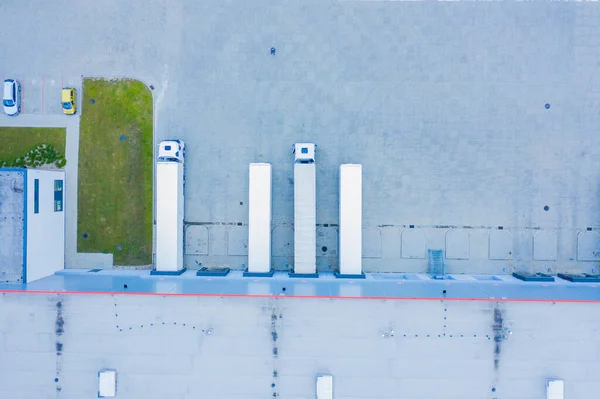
232	348
12	224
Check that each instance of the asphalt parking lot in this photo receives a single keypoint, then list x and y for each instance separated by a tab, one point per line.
41	94
475	122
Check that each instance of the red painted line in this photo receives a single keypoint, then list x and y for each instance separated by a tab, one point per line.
279	296
42	94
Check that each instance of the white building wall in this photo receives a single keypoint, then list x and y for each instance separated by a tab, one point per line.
45	238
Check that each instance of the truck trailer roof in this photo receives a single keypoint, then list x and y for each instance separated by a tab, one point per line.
169	216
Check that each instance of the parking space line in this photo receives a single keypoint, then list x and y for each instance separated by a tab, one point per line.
42	94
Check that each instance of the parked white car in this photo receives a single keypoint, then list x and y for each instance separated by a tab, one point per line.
11	100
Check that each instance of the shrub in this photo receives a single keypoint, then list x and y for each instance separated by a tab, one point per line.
61	162
43	154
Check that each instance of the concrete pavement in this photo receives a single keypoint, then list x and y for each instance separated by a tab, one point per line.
444	104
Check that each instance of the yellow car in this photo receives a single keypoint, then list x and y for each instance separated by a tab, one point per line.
69	106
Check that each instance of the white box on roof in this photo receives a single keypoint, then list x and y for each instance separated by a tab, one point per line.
107	383
305	218
324	386
350	219
259	218
555	389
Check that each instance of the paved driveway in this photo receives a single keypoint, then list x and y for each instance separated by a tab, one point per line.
469	118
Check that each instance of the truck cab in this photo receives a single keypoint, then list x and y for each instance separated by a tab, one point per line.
304	152
172	150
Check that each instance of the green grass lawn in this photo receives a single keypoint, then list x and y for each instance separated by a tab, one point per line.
17	141
115	175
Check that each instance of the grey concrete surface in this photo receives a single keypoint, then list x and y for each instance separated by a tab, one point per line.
12	226
161	347
442	103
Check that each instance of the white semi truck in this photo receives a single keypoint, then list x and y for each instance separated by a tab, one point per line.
170	207
305	211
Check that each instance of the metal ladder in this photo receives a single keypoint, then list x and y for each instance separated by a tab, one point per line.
436	264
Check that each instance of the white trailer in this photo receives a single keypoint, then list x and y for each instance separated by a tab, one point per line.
259	218
324	386
555	389
169	207
350	244
305	209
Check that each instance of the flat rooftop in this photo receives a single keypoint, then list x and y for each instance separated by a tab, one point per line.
232	348
12	225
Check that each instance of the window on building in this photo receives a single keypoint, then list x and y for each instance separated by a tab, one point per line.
58	195
36	196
